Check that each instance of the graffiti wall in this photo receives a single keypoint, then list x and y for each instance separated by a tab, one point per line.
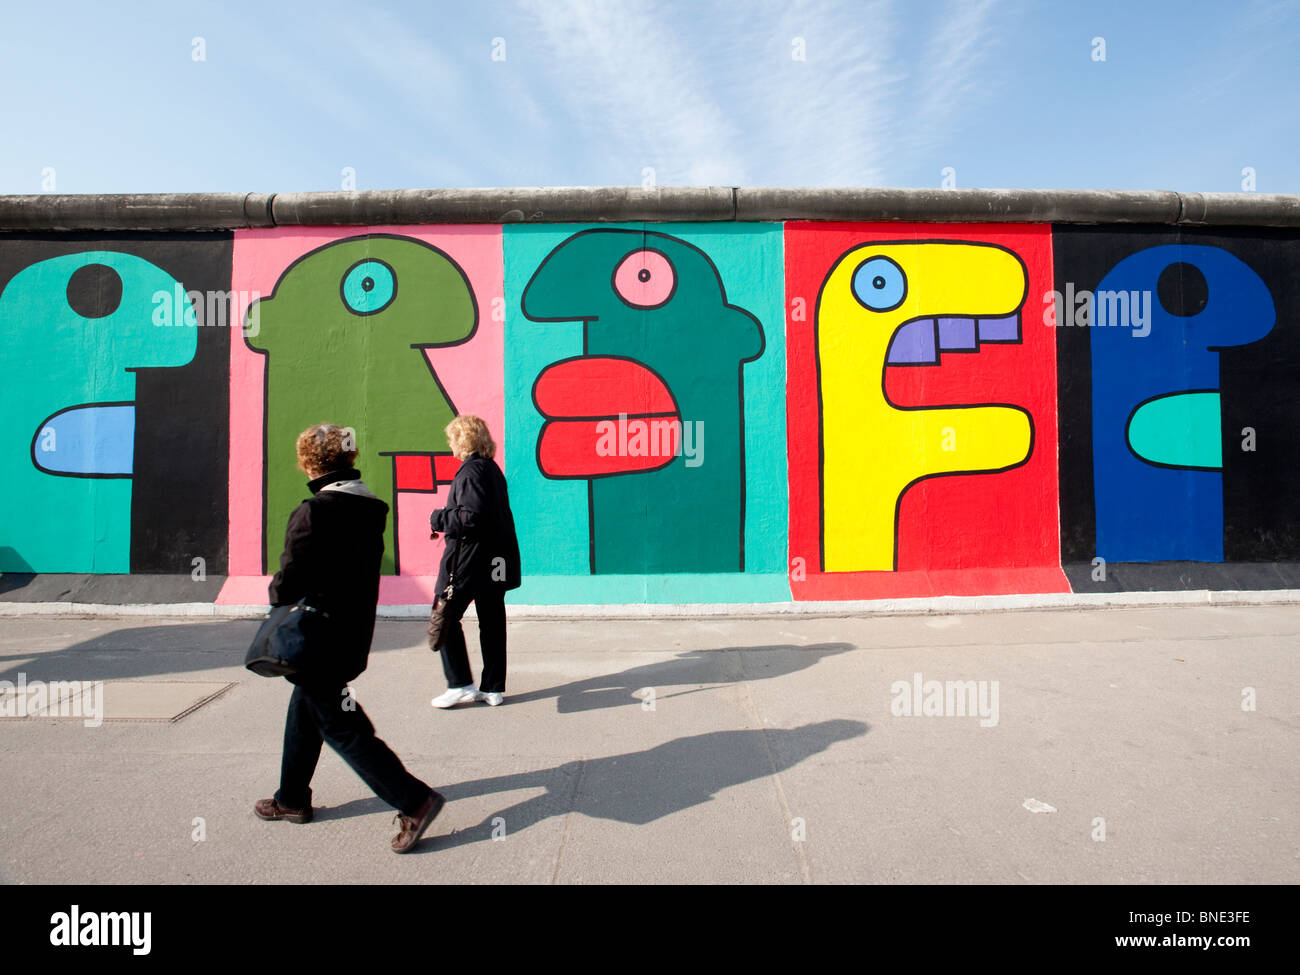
115	441
1178	444
922	404
718	413
645	383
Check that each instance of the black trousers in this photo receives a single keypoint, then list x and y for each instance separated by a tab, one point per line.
326	712
490	604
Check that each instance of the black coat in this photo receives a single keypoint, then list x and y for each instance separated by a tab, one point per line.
332	550
482	549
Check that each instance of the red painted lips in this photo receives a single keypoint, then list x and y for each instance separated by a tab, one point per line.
595	407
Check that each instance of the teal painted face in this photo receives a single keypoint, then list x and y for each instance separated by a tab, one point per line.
75	329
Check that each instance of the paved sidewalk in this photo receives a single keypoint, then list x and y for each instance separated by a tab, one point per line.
767	752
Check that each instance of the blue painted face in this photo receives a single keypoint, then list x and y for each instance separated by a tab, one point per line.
1157	427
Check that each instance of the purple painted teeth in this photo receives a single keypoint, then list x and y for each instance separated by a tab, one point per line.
920	342
957	335
1006	329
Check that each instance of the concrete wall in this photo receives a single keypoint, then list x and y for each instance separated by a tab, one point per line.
710	395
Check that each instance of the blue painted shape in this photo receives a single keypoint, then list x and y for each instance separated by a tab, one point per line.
914	343
1147	513
369	287
880	284
96	441
1004	329
957	335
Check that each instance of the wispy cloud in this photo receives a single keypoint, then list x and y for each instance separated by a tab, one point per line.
829	119
950	76
761	92
764	92
393	88
421	91
632	83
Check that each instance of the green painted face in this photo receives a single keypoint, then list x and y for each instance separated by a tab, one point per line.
639	290
344	334
658	301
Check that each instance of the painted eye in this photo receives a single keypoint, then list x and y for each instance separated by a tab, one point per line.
880	284
95	291
645	279
369	286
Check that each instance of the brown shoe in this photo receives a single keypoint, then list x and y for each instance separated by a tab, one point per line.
413	827
270	809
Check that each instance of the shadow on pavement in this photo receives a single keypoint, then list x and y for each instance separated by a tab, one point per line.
614	690
156	651
139	651
639	787
617	689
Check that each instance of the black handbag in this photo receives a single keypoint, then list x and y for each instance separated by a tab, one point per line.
287	640
438	615
438	611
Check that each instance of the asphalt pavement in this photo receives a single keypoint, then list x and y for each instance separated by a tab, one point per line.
1121	745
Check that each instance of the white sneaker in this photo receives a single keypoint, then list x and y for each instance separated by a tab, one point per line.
492	697
456	695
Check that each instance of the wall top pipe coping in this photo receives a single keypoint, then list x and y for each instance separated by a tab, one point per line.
609	204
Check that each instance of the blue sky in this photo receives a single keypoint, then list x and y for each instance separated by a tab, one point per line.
110	98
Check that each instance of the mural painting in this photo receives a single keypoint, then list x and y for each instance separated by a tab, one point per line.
114	370
384	332
922	411
1185	350
687	413
651	371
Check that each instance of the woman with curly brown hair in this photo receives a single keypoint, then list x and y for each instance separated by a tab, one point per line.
480	563
332	551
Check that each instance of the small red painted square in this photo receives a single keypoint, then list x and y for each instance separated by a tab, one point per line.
413	472
445	467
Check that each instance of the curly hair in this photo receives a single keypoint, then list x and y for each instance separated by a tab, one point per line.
467	434
327	448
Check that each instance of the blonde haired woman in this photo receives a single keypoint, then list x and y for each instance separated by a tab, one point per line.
480	563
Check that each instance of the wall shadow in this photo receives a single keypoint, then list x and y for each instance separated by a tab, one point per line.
139	651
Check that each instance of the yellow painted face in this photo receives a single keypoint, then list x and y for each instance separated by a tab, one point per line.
876	288
884	303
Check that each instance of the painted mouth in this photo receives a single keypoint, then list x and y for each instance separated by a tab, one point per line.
921	341
93	440
590	402
1182	430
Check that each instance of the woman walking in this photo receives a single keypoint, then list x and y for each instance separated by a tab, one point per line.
480	563
332	551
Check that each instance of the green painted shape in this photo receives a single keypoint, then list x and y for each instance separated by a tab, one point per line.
52	358
328	364
1182	430
680	518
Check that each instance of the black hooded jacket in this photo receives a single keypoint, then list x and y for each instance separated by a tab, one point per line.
332	551
482	550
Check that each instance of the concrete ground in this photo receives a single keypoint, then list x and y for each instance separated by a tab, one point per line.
1162	745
